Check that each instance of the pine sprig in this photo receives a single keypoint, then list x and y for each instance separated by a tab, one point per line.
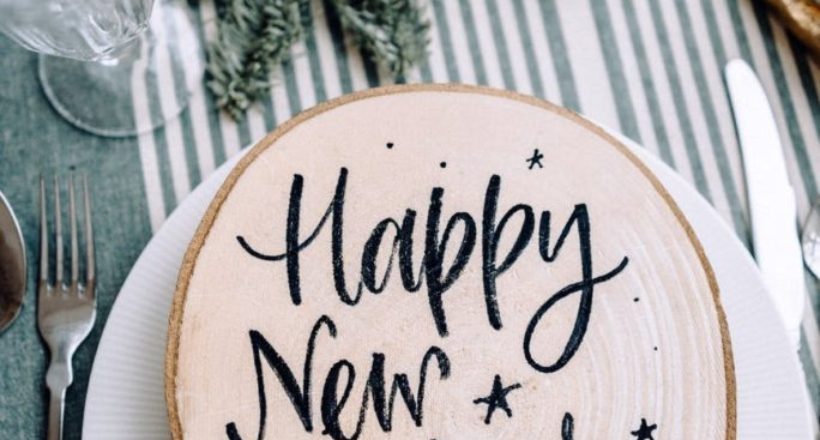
392	32
254	36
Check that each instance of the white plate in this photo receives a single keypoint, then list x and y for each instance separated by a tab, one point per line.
126	391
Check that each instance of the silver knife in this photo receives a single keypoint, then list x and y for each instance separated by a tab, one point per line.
771	197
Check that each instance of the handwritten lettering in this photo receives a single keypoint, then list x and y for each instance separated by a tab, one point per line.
433	270
331	403
586	285
393	240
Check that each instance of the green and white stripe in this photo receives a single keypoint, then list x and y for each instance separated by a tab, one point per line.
649	69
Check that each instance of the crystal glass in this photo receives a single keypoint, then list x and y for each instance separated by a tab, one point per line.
101	58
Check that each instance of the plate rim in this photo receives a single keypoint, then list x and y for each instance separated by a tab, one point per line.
98	399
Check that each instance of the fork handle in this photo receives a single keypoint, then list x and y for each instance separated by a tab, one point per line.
55	414
58	377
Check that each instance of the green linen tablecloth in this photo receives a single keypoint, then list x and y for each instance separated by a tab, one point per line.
650	69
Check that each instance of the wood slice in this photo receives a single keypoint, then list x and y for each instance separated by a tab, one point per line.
446	262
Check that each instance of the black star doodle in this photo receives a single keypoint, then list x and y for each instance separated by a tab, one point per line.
497	399
536	159
645	432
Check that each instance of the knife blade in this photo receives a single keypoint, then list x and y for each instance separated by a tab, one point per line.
771	197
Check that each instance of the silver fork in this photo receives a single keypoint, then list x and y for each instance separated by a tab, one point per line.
65	311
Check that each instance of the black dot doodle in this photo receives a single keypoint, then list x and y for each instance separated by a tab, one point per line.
443	164
636	299
389	145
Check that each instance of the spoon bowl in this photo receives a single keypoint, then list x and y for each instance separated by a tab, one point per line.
811	240
12	266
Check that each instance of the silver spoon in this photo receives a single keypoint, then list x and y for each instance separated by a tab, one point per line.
12	265
811	240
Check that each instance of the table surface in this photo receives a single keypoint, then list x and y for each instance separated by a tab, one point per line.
649	69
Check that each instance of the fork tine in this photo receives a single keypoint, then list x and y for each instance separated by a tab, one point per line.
73	219
43	233
89	239
58	235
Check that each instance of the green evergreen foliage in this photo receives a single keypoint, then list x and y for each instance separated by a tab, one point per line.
392	32
256	35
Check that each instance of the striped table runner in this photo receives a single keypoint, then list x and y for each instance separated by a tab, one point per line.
648	69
